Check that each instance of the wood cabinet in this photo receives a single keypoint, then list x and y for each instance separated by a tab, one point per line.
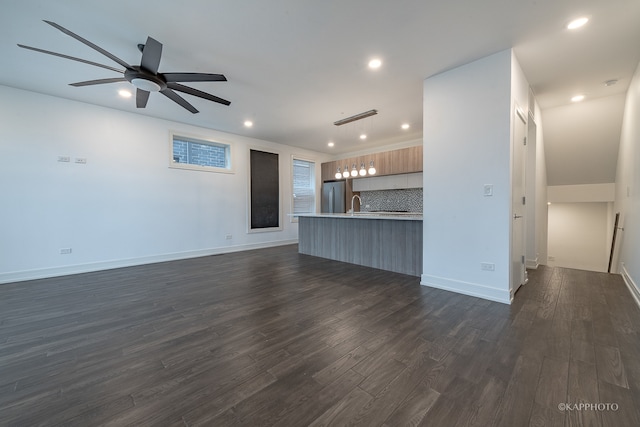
402	161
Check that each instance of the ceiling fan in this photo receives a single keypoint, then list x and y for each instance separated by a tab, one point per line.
144	77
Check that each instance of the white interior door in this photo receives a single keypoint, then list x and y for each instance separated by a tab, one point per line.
518	247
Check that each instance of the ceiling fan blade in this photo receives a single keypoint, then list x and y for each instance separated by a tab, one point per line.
84	61
178	100
151	55
193	77
196	92
99	82
91	45
142	96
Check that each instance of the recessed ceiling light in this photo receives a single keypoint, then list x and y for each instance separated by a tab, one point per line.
331	144
124	93
248	123
363	136
577	98
405	126
375	63
577	23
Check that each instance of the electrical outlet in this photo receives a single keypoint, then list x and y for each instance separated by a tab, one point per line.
488	190
228	236
65	251
551	258
64	159
487	266
81	160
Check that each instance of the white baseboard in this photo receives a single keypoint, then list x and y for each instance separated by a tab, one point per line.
21	276
633	287
467	288
532	264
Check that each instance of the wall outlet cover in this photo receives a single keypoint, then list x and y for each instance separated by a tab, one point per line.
487	266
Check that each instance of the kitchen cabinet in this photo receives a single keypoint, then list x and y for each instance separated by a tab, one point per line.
389	182
363	184
394	162
414	180
392	243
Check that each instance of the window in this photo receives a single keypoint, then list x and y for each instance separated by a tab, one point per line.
304	186
200	154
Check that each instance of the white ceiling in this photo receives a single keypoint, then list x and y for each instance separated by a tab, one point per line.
294	67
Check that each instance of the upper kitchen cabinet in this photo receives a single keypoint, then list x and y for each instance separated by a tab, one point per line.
402	161
388	182
414	180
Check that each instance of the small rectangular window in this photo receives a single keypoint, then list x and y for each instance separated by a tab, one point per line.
200	154
304	186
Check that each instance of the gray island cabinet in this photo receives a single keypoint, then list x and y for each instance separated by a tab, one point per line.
388	241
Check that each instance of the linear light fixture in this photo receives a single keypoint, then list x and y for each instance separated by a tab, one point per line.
356	117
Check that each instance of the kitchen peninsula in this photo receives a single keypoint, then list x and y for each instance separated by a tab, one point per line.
384	240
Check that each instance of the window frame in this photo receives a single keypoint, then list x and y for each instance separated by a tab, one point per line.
198	139
315	184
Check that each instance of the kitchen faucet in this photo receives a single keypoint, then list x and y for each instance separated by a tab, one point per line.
359	201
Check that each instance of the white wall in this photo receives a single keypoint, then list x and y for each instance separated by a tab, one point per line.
125	206
628	189
577	216
582	193
578	235
467	134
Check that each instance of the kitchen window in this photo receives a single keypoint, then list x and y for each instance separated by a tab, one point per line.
304	187
200	154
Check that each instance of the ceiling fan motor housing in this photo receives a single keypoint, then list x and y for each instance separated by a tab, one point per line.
144	80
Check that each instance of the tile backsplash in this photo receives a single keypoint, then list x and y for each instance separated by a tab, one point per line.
409	200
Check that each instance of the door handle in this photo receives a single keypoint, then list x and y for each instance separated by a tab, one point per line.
331	200
515	216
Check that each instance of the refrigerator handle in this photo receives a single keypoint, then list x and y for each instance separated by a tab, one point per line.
331	197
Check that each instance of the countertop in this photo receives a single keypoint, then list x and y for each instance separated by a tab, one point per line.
406	216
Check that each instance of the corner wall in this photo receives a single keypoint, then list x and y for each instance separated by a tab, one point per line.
628	190
467	137
125	206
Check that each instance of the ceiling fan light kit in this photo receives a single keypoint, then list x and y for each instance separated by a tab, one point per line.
145	78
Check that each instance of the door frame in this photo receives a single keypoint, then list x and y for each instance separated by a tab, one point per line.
517	259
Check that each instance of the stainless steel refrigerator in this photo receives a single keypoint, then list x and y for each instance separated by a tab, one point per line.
333	194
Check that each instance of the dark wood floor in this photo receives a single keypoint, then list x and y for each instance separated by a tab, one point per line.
271	337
